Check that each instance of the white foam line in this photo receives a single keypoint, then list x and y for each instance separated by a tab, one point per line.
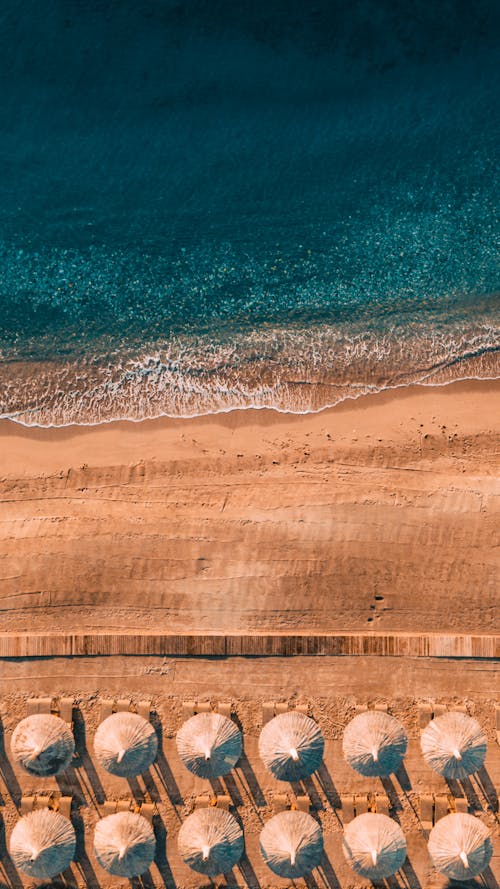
247	407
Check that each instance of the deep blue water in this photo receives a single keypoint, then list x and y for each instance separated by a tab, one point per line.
206	205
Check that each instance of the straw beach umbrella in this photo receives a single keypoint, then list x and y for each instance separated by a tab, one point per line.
125	744
211	841
291	844
209	744
124	844
454	745
460	846
43	844
374	743
291	746
374	846
43	744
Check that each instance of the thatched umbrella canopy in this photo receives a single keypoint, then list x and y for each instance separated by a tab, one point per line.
374	743
291	844
374	846
209	744
460	846
43	844
211	841
43	744
454	745
125	744
124	844
291	746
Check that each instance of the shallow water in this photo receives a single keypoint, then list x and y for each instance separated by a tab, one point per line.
207	206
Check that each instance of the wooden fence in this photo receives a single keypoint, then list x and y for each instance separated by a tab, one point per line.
27	645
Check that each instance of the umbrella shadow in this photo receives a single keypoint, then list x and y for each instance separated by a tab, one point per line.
410	879
82	860
327	873
328	787
248	873
162	768
251	780
403	778
144	881
469	791
7	772
161	859
393	795
232	790
7	866
488	789
151	788
83	759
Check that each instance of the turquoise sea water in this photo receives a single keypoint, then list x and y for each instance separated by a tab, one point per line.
206	206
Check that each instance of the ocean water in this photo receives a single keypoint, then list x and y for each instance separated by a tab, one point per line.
211	205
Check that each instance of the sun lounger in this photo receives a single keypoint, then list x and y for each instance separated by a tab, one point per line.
64	806
39	705
224	710
42	800
439	709
123	805
224	801
147	811
202	802
188	709
27	804
347	801
123	705
66	710
281	707
381	707
109	808
267	712
424	714
382	803
280	802
302	708
361	708
144	709
441	807
460	708
361	803
302	804
426	811
106	708
461	805
203	707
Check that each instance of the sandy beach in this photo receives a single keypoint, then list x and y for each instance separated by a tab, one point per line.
379	514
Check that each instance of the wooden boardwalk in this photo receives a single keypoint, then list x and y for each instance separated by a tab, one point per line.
31	645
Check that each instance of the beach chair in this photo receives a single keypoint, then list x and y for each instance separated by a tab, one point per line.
424	714
188	709
224	801
202	801
303	708
426	811
109	808
382	804
27	804
280	802
461	805
148	811
460	708
203	707
361	708
441	807
43	800
144	709
123	805
361	803
267	712
64	806
439	709
382	708
281	707
122	705
347	802
38	705
106	708
224	710
66	710
302	804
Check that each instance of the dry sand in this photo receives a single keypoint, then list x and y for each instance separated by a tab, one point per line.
380	514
